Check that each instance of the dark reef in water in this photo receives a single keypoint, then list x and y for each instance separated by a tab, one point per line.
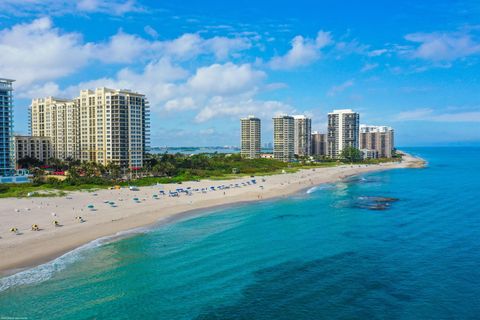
374	203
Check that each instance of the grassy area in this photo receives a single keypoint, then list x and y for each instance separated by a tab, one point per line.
216	167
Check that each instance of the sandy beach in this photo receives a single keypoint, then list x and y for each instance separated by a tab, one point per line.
133	209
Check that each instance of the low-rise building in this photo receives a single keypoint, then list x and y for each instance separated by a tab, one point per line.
39	148
369	154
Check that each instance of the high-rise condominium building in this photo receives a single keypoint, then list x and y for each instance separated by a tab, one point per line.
283	138
6	127
39	148
343	130
319	144
378	138
114	127
302	135
58	120
102	125
250	137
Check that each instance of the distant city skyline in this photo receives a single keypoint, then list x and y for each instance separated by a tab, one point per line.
203	65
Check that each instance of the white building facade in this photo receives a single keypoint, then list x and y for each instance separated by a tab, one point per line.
343	131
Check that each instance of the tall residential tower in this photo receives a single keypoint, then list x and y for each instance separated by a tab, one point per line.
283	138
250	137
319	144
102	125
343	130
58	120
114	127
378	138
302	135
6	127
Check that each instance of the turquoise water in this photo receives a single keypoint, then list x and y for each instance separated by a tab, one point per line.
322	254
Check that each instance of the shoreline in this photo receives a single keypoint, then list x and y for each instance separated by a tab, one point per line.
30	249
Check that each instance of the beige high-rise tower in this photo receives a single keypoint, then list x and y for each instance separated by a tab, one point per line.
319	144
57	119
114	127
250	137
378	138
102	125
302	135
283	138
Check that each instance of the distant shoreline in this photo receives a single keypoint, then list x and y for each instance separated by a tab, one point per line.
19	252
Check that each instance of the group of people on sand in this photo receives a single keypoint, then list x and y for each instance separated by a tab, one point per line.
187	191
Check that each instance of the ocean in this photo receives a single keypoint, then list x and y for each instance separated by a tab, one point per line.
398	244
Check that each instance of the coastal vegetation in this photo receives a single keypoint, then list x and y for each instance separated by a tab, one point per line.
57	177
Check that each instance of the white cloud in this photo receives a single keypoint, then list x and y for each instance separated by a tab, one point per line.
158	81
151	31
56	7
377	52
180	104
218	90
108	6
428	114
340	88
304	51
122	48
191	45
439	46
368	67
234	107
45	90
37	51
225	79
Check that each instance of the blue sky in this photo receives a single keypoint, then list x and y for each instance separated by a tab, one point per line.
204	64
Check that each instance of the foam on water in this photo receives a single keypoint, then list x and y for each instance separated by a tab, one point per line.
326	186
46	271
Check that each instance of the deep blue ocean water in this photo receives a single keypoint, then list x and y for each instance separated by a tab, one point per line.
325	254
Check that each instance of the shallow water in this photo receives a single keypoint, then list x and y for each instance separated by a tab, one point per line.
319	254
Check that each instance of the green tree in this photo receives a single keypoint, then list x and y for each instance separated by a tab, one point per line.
351	154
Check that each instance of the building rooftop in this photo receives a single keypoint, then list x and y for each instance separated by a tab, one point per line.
342	111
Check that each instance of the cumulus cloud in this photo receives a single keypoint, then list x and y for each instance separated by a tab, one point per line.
191	44
225	79
219	106
37	51
303	52
56	7
441	46
218	90
159	81
123	48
